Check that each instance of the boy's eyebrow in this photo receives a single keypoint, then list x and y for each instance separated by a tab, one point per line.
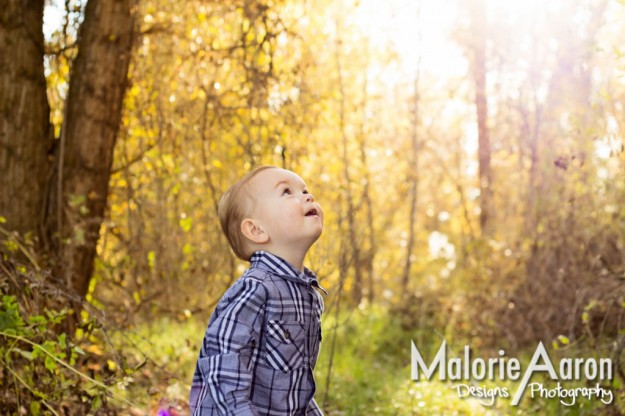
283	181
287	182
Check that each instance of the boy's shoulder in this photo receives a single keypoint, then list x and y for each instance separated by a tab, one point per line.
254	282
247	283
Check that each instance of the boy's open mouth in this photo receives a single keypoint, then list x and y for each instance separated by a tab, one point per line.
312	212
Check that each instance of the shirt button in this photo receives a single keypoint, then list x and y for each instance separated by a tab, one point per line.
287	335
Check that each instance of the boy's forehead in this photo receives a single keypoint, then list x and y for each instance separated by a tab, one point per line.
272	177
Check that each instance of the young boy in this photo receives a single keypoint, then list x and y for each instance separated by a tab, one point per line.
262	341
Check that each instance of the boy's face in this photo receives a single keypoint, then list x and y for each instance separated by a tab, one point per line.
285	209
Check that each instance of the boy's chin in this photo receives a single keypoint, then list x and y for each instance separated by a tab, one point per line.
315	239
318	234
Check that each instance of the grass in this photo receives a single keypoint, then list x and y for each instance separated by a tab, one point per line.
172	348
371	375
370	371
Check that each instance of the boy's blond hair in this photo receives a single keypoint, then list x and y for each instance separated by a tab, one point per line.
234	206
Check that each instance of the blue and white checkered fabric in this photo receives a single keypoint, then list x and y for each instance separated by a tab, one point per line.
261	344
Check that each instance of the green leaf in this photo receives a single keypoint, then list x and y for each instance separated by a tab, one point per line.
63	340
585	317
79	236
26	354
96	403
591	305
563	340
76	200
35	408
56	317
10	319
38	321
50	364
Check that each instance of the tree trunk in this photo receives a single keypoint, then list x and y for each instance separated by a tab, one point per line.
368	255
413	180
92	117
356	292
25	134
478	23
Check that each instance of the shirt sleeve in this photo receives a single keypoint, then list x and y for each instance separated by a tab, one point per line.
313	409
223	374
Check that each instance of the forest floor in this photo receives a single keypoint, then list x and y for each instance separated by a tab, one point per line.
370	373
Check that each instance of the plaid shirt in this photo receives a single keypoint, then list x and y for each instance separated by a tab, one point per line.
261	345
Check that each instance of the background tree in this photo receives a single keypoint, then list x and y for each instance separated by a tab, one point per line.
25	135
60	196
478	64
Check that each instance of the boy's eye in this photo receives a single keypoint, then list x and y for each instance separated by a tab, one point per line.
286	191
306	191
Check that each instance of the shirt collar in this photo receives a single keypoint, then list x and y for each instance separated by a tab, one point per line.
281	267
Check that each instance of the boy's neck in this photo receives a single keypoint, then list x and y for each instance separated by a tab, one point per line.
294	257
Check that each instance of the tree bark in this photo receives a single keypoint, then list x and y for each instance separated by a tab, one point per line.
369	253
478	23
25	135
356	292
92	118
413	180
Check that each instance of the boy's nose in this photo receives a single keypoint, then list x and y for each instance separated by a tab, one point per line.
309	197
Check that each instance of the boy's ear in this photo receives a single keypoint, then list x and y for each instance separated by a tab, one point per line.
253	232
